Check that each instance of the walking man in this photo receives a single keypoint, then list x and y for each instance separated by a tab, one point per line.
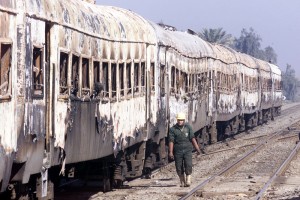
181	141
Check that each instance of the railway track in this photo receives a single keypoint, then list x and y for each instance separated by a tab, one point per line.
221	178
164	183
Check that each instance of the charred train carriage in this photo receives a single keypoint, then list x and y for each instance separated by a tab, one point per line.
87	88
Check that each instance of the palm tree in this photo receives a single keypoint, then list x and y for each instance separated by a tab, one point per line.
217	35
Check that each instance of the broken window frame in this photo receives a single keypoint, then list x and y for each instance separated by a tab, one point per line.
190	83
128	85
173	77
162	79
143	77
74	74
7	94
105	78
185	83
65	93
152	77
177	80
85	76
113	80
96	77
38	72
137	78
201	82
219	80
121	76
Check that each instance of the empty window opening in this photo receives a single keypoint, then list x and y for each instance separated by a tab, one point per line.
186	84
104	79
136	77
96	72
121	79
97	81
85	77
113	80
190	86
177	81
75	75
143	76
37	69
162	78
173	80
63	73
152	77
5	71
128	78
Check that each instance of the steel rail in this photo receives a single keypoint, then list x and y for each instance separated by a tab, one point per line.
201	185
279	171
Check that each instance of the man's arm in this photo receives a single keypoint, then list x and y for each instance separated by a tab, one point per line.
195	144
171	147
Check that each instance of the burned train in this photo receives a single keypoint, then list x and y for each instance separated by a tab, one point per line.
87	88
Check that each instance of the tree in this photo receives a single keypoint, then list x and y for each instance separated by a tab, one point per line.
217	35
289	83
249	43
270	55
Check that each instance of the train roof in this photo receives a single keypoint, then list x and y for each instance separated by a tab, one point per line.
275	69
186	44
106	22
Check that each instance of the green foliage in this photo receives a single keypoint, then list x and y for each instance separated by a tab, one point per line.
250	43
217	35
289	83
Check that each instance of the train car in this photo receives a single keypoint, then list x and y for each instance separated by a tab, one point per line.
8	74
186	83
277	96
77	84
90	90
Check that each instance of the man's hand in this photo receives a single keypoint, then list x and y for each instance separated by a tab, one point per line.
171	156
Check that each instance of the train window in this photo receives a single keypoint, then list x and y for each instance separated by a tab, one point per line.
218	80
183	81
143	77
173	79
5	71
194	83
186	83
128	78
191	82
162	79
63	73
121	79
113	80
75	75
85	82
136	77
97	81
96	65
152	79
200	80
177	79
37	76
104	79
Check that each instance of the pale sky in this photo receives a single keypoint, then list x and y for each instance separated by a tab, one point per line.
276	21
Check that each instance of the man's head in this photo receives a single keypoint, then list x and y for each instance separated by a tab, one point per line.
180	118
